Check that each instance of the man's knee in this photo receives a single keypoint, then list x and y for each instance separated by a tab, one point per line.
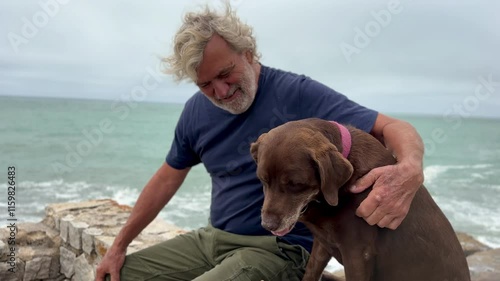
257	264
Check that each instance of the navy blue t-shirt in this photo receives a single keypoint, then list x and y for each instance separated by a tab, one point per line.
221	141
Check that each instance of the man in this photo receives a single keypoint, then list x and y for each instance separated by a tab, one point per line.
239	99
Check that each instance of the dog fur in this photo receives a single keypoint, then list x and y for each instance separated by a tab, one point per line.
304	176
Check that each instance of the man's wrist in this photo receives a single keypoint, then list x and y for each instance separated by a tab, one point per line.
412	167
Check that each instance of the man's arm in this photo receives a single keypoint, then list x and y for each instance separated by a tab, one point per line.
155	195
393	186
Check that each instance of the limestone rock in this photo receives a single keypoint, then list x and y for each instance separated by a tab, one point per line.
88	239
83	270
37	268
12	273
485	265
73	237
470	245
67	262
75	233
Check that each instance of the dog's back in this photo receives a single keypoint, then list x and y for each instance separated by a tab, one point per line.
304	176
425	243
424	246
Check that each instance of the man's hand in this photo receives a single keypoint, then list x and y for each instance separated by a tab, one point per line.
393	190
111	264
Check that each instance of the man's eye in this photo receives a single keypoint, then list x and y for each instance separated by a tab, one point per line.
224	75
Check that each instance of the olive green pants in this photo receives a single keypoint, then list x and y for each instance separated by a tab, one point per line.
210	254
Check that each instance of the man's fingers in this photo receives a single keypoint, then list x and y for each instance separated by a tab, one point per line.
368	206
386	221
364	182
375	217
395	223
99	276
115	276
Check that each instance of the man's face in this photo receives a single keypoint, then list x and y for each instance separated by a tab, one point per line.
226	78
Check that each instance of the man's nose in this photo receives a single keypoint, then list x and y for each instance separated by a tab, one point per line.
221	88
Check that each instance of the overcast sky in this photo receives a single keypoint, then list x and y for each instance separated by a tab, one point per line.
412	57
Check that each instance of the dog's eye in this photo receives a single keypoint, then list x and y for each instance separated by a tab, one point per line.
296	187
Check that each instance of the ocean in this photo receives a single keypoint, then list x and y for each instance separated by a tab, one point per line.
73	150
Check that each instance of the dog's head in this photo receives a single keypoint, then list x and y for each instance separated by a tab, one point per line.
295	163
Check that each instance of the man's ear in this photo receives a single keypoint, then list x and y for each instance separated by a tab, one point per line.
254	147
334	171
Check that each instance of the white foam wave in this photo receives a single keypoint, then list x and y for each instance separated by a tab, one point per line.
433	172
189	209
479	220
125	196
32	197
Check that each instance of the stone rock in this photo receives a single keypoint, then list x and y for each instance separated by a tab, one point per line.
88	239
67	262
487	276
53	209
102	244
4	249
470	245
27	253
484	265
64	227
37	268
73	237
83	270
16	275
75	233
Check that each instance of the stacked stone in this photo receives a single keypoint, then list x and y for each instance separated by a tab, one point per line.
72	239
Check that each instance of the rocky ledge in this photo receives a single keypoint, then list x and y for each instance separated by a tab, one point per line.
73	237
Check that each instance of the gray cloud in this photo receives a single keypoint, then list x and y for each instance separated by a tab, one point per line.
426	59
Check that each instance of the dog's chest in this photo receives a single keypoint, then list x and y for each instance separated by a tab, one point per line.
323	223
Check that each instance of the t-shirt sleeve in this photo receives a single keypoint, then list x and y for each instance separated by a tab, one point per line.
318	100
181	154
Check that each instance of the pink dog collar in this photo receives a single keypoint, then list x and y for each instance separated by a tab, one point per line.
346	139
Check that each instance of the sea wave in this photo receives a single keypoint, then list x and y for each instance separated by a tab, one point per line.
481	220
188	209
32	197
434	172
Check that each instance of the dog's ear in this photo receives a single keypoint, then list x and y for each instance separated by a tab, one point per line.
334	171
254	147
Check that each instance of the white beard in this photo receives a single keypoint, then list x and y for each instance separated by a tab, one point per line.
246	91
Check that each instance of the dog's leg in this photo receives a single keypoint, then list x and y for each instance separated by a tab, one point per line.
359	262
317	262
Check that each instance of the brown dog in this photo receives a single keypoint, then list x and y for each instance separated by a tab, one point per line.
303	172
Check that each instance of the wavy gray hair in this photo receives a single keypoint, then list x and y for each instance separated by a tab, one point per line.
196	31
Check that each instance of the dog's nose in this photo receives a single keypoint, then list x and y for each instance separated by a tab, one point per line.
270	225
270	222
